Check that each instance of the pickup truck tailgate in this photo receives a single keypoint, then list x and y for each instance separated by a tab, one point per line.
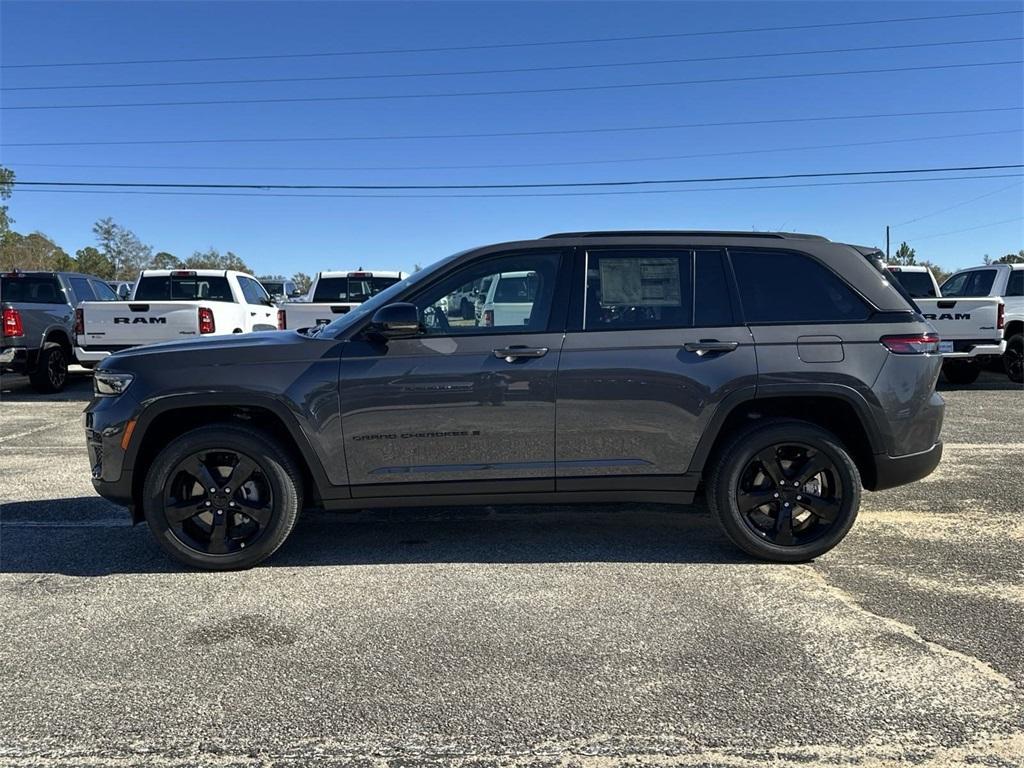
966	327
118	324
304	314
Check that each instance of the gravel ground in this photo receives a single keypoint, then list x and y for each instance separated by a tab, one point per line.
540	636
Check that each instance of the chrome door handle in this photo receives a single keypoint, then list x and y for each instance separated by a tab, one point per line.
709	346
511	354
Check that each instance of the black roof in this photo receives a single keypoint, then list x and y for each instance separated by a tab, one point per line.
687	232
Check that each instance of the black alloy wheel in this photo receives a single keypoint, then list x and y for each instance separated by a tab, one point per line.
218	501
789	494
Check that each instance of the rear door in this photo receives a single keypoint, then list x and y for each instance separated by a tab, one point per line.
462	407
260	315
654	345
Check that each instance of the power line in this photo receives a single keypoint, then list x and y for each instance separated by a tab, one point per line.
513	92
958	205
509	134
513	70
966	229
603	161
356	195
530	185
529	44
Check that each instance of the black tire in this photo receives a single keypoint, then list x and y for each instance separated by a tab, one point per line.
273	471
1013	358
51	372
793	446
960	371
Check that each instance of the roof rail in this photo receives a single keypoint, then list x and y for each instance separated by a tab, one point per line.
689	232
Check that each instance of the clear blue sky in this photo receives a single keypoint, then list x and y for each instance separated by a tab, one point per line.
285	235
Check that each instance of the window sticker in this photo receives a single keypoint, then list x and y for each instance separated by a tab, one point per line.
631	282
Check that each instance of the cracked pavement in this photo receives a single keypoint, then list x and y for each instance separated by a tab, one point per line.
524	636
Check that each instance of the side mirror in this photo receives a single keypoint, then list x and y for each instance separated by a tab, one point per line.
395	321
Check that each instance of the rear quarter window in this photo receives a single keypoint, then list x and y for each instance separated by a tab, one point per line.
788	287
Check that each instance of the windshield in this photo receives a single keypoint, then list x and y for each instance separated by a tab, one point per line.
388	295
354	289
185	288
918	284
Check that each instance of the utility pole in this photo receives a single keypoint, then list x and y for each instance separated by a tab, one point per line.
886	242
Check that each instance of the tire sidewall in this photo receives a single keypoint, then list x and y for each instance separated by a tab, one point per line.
736	460
40	378
270	461
1016	344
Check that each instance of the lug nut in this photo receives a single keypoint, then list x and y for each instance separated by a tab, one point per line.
213	490
798	497
227	490
221	511
231	503
207	503
785	505
241	545
776	495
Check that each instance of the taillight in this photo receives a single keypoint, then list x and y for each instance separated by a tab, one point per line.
12	322
281	319
79	321
1000	316
917	344
206	324
489	318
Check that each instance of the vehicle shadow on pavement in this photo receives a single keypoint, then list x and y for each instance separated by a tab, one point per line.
89	537
16	389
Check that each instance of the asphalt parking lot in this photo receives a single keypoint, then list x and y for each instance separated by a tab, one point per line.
523	636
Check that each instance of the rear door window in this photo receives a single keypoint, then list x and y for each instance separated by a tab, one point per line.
975	283
1015	285
636	289
82	289
103	291
788	287
253	292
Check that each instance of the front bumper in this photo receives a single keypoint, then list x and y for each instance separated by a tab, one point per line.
891	471
105	421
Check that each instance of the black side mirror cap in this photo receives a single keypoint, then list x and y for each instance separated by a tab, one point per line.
396	321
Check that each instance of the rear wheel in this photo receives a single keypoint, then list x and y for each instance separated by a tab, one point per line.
51	373
222	497
1013	358
960	371
785	491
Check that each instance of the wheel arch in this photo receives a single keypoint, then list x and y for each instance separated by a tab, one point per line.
839	409
162	422
1013	328
59	335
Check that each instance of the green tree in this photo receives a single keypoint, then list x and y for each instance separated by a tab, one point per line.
92	262
165	260
34	251
6	187
214	259
302	281
126	252
905	255
1010	258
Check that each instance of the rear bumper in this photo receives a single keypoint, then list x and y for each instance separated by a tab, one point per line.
891	471
18	359
976	350
90	355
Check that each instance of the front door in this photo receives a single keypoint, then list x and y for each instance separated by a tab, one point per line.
468	405
655	349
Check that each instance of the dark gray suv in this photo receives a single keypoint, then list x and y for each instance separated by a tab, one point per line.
778	373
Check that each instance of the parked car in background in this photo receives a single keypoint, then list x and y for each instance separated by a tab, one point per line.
168	305
1005	282
336	293
37	336
122	288
281	290
777	373
918	280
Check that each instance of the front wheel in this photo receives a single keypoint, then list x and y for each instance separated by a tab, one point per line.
222	497
1013	358
785	491
960	371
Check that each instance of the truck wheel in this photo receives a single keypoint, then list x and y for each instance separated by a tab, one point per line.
785	490
51	373
1013	358
960	371
222	497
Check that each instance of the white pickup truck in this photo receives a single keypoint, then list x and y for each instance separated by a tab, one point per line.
1000	283
169	305
336	293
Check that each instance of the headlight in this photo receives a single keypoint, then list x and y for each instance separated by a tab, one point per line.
111	384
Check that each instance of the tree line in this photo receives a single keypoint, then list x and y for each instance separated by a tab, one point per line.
907	256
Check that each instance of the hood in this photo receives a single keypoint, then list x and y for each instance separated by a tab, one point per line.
263	346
